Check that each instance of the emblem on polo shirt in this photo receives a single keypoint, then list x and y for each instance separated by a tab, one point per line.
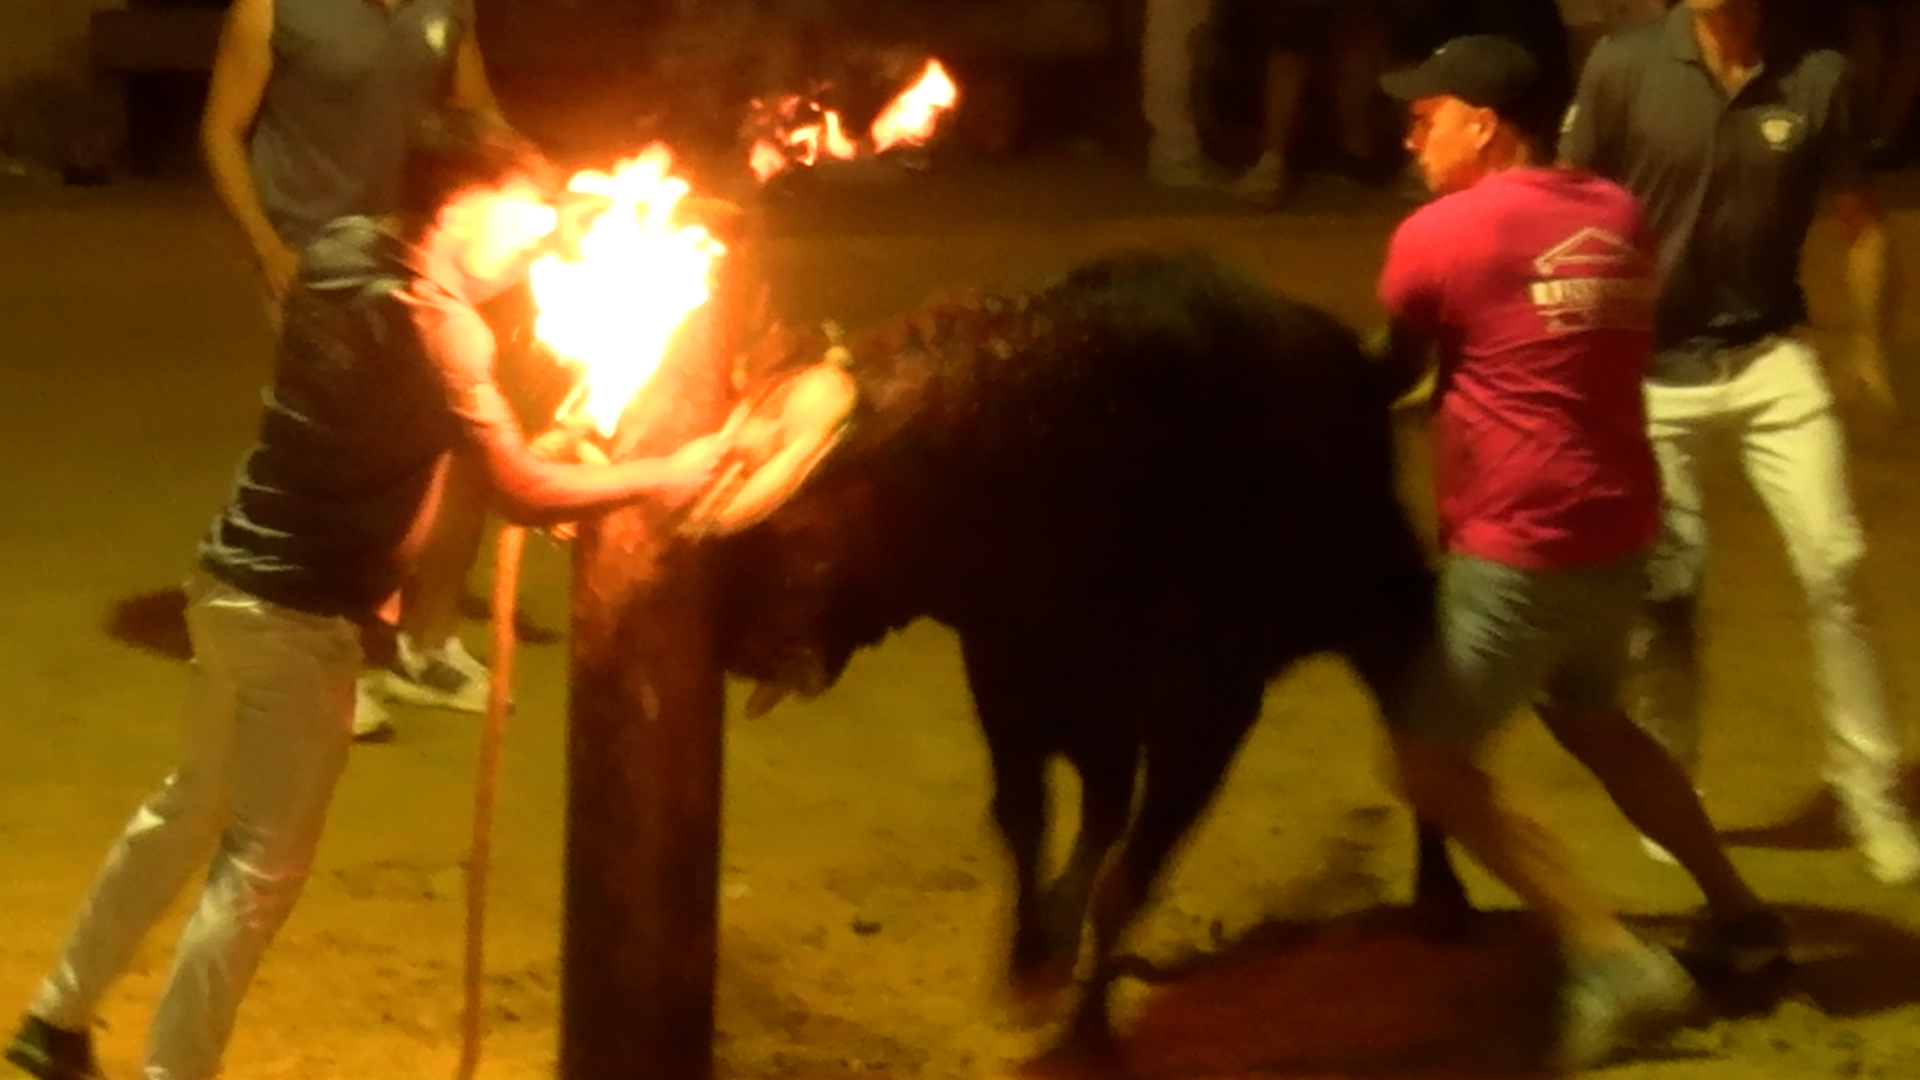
1781	128
1593	279
435	32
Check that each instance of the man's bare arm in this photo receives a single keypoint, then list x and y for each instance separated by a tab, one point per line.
241	66
1864	225
533	491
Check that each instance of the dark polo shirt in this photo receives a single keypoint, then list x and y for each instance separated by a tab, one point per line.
1730	184
349	79
382	368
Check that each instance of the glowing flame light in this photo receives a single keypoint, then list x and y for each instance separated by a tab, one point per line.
614	305
910	119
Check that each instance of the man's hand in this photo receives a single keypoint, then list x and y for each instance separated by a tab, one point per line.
1862	374
278	262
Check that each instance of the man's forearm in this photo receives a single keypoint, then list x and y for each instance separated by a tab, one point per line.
1866	276
532	492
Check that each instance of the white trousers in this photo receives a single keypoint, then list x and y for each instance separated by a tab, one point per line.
1166	77
1779	413
266	739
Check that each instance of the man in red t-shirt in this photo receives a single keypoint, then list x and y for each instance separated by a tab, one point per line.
1532	290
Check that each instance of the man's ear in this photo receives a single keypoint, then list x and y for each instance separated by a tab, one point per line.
1483	125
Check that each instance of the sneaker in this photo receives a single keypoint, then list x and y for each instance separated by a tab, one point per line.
1750	947
1657	853
1885	838
1617	1001
51	1053
371	723
447	679
1264	183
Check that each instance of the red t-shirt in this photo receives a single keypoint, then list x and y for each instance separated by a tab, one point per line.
1536	286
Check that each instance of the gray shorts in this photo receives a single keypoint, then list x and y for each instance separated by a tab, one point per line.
1511	637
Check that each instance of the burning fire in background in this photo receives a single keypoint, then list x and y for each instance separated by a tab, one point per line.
613	303
797	131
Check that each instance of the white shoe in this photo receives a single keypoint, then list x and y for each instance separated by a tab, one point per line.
1886	839
1660	854
371	723
447	679
1265	182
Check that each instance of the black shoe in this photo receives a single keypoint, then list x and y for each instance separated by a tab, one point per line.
52	1053
1747	948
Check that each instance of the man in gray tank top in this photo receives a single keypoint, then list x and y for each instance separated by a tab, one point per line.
306	122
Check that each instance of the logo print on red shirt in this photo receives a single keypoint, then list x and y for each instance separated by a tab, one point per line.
1593	280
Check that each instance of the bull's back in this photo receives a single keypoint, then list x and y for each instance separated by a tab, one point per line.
1177	449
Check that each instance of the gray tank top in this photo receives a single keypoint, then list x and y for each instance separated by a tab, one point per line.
349	79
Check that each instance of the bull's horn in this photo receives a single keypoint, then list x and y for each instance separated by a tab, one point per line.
764	697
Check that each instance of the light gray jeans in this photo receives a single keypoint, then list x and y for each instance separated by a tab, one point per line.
267	736
1775	405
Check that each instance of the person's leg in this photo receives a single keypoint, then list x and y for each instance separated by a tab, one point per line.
1359	59
1582	710
1795	455
167	840
294	700
431	665
1285	84
1666	645
1174	158
1491	654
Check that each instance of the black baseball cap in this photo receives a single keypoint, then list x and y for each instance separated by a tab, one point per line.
1484	70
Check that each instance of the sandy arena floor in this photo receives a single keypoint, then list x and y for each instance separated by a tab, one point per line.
135	349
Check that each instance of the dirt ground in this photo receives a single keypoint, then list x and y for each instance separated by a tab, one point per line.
863	896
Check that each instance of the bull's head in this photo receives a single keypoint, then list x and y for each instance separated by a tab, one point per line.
797	403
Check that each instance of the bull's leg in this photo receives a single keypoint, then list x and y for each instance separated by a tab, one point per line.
1107	760
1190	737
1441	909
1397	625
1022	706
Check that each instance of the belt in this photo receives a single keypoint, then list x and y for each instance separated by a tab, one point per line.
1710	366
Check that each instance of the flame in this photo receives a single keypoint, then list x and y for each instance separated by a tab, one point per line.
613	305
798	131
912	116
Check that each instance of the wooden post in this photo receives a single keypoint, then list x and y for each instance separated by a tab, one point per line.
644	757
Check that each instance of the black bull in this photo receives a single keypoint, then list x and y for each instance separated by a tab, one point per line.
1137	495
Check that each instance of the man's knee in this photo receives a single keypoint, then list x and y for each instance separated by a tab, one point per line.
1827	567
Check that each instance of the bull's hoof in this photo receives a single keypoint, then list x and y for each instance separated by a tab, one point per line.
1087	1051
1040	994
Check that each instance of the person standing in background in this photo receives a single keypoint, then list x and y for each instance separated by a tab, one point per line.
1167	50
306	121
1730	138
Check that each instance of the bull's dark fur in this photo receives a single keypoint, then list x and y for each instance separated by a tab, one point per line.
1137	495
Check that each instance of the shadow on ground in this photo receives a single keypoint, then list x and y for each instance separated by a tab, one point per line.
1366	996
